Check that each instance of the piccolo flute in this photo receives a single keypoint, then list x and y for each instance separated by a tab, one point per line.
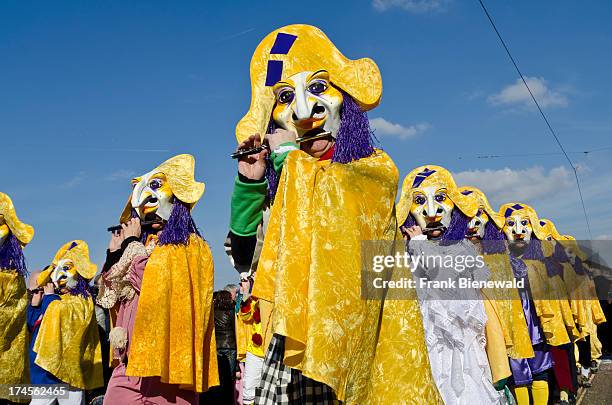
143	223
246	152
306	138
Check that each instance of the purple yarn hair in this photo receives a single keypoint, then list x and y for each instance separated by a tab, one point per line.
456	228
270	173
534	250
579	267
354	137
11	256
553	266
354	140
82	288
559	253
179	227
493	240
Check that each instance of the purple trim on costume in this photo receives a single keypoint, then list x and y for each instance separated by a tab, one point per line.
534	250
354	138
493	240
179	227
274	72
420	177
282	43
11	256
82	288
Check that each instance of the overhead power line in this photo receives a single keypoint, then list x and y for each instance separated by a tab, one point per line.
550	128
495	156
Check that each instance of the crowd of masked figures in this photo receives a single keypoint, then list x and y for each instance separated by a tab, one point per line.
296	328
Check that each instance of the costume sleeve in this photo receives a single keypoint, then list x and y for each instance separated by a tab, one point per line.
248	202
33	314
279	155
47	299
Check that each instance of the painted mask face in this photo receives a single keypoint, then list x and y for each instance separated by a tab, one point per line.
4	230
152	196
518	228
431	207
306	102
64	274
476	227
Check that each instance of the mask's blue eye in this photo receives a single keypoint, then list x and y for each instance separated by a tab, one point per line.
155	184
285	96
524	223
440	197
317	87
420	200
511	223
65	268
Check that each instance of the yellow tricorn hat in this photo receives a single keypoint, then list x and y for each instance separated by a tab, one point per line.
550	229
23	232
78	252
431	175
479	196
514	208
568	240
303	48
180	172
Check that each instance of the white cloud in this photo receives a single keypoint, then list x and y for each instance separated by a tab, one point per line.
119	175
516	94
508	185
412	6
77	179
382	127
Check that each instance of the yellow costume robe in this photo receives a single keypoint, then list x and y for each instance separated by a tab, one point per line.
13	329
68	345
310	267
506	328
173	334
547	306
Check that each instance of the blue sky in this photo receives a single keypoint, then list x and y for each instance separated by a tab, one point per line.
93	93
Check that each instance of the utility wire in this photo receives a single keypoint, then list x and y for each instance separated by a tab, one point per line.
550	128
495	156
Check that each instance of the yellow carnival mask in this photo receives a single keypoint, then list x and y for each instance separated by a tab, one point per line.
296	77
476	227
153	192
70	261
521	222
429	194
10	223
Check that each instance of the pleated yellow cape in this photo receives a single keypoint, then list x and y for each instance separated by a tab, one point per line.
13	332
310	265
173	334
68	345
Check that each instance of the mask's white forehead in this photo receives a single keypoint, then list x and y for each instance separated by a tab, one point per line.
59	271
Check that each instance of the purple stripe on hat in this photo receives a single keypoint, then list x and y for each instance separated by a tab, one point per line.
282	44
508	212
517	206
274	73
467	192
72	245
422	176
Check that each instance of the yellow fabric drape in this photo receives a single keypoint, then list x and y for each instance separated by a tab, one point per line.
173	335
310	265
547	308
507	307
13	330
68	345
